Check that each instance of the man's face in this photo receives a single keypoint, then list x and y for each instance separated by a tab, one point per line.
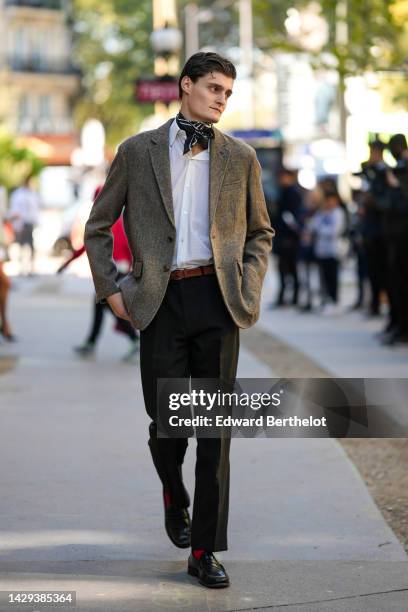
286	179
206	99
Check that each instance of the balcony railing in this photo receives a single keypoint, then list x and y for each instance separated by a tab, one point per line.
51	125
53	5
41	65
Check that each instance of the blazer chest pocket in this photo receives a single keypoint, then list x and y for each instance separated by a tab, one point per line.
137	269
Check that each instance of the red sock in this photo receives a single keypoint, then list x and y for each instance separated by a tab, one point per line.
167	499
197	553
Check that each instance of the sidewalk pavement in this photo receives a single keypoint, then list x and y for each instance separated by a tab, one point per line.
81	509
345	345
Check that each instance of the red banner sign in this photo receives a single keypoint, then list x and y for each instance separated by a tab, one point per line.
156	90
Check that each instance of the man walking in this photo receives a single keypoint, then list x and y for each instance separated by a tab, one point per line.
199	232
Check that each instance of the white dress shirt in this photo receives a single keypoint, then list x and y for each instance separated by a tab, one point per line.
190	175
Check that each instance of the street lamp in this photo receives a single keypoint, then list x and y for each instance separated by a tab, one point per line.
166	41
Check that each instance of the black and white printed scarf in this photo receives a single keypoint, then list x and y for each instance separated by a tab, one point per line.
197	132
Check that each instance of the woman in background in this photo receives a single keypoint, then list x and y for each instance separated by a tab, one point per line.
123	260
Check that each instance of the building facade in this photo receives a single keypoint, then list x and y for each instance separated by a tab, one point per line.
38	81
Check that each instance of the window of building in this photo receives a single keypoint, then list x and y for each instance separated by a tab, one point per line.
19	50
45	119
23	107
45	107
25	117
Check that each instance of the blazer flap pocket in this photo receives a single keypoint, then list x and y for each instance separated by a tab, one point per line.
137	269
233	184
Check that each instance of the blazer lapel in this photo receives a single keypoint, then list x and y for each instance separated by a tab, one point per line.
219	157
159	154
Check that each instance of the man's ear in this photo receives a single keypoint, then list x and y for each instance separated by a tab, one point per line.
186	83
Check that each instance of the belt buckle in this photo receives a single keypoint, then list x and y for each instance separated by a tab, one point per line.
189	272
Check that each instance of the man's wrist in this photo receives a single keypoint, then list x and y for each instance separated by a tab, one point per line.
103	298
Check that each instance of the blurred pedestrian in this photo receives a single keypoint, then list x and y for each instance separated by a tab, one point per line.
328	226
4	279
358	253
123	259
371	203
288	229
328	185
307	257
396	236
24	214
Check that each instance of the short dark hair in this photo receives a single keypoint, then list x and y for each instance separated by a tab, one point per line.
200	64
332	193
284	171
398	141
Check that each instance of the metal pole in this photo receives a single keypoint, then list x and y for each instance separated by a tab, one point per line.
191	16
342	40
245	34
164	12
246	46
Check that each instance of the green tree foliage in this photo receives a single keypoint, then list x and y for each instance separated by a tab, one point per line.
399	12
377	29
377	37
16	162
375	33
377	40
112	49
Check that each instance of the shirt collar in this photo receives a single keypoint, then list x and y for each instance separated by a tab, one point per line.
173	133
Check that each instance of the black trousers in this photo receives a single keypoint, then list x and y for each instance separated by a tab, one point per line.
399	278
192	335
330	274
376	255
287	265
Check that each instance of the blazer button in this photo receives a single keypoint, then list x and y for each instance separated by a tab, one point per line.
170	238
166	268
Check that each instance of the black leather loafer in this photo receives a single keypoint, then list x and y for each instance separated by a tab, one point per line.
178	526
208	570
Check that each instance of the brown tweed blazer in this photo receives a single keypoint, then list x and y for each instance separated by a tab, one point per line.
139	183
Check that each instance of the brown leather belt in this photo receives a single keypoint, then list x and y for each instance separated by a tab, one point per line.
190	272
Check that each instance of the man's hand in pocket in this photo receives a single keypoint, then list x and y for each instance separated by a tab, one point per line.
117	305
